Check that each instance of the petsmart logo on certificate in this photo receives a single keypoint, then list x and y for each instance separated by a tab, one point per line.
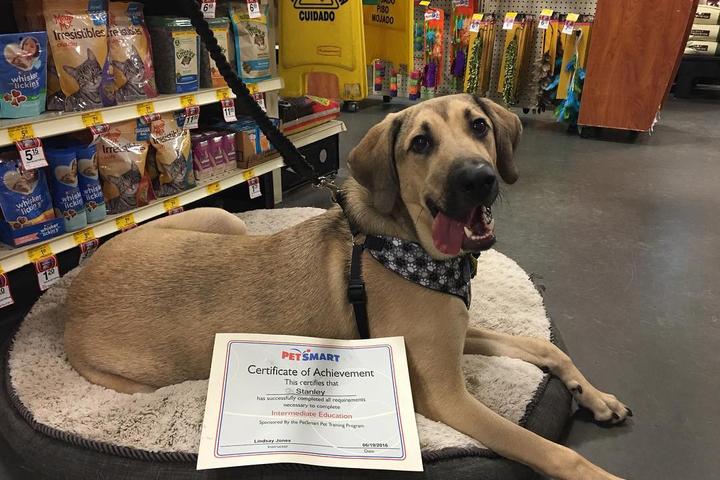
286	399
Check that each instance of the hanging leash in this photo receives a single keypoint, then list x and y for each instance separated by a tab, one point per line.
291	156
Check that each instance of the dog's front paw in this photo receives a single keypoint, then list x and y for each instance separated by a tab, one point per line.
605	407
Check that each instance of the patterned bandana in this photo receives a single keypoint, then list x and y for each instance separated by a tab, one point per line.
412	262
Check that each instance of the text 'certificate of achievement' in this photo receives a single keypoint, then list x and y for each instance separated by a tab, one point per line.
335	403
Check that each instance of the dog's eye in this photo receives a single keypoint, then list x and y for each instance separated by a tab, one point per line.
480	126
420	144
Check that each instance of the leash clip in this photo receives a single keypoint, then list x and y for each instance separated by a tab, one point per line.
328	181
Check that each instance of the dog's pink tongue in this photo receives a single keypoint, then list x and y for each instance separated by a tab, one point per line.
447	234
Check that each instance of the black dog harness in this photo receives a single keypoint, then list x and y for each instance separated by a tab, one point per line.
409	260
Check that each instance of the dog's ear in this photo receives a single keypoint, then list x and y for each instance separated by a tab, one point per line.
372	162
507	129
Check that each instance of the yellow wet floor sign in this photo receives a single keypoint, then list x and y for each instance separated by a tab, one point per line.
322	48
389	32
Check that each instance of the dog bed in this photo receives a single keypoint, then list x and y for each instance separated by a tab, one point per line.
64	426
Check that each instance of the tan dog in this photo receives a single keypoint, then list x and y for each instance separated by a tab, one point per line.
425	174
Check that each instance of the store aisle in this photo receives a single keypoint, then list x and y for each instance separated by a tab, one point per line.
627	240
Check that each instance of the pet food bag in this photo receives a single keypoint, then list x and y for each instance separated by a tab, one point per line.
173	160
22	74
64	187
252	46
89	183
209	74
77	34
121	163
130	54
24	194
175	52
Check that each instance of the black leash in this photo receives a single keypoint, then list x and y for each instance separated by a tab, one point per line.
291	156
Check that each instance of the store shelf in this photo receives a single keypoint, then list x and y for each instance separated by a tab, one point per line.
14	258
56	123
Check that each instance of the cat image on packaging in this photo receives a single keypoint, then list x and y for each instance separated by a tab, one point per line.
67	199
129	46
77	34
89	183
121	163
173	160
24	194
22	74
252	46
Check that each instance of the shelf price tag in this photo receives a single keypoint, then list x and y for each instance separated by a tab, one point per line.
248	174
38	253
6	298
544	19
188	101
208	8
85	239
31	152
228	109
570	20
509	20
84	236
253	7
213	188
48	272
424	3
21	132
254	187
126	222
475	22
260	99
223	94
146	111
98	131
172	205
91	119
253	88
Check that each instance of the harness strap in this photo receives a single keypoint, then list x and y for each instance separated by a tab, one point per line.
356	293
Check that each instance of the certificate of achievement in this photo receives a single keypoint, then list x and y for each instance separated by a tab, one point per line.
335	403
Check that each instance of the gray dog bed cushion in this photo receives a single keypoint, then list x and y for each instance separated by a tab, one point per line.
158	433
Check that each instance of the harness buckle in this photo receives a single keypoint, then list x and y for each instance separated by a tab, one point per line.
328	181
356	292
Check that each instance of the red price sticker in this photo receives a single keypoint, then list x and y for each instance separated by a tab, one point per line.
208	8
192	115
260	99
544	19
570	20
509	21
88	248
98	131
31	152
48	272
254	187
6	298
228	109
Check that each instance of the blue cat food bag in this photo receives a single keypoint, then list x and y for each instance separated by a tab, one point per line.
89	183
64	187
23	77
77	34
24	195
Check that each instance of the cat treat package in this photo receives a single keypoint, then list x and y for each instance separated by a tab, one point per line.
67	199
29	18
175	52
78	38
252	45
24	194
130	53
22	74
89	183
173	161
121	163
209	74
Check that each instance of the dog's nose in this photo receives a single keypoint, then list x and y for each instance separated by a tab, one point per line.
476	181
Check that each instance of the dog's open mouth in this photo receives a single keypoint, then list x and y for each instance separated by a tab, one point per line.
474	234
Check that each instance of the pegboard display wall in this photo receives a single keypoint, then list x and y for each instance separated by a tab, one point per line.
528	88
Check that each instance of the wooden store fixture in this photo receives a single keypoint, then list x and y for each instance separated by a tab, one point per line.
635	51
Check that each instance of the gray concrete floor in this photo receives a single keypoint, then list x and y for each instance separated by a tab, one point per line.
627	240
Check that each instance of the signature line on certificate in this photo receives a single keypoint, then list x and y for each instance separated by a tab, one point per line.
355	419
